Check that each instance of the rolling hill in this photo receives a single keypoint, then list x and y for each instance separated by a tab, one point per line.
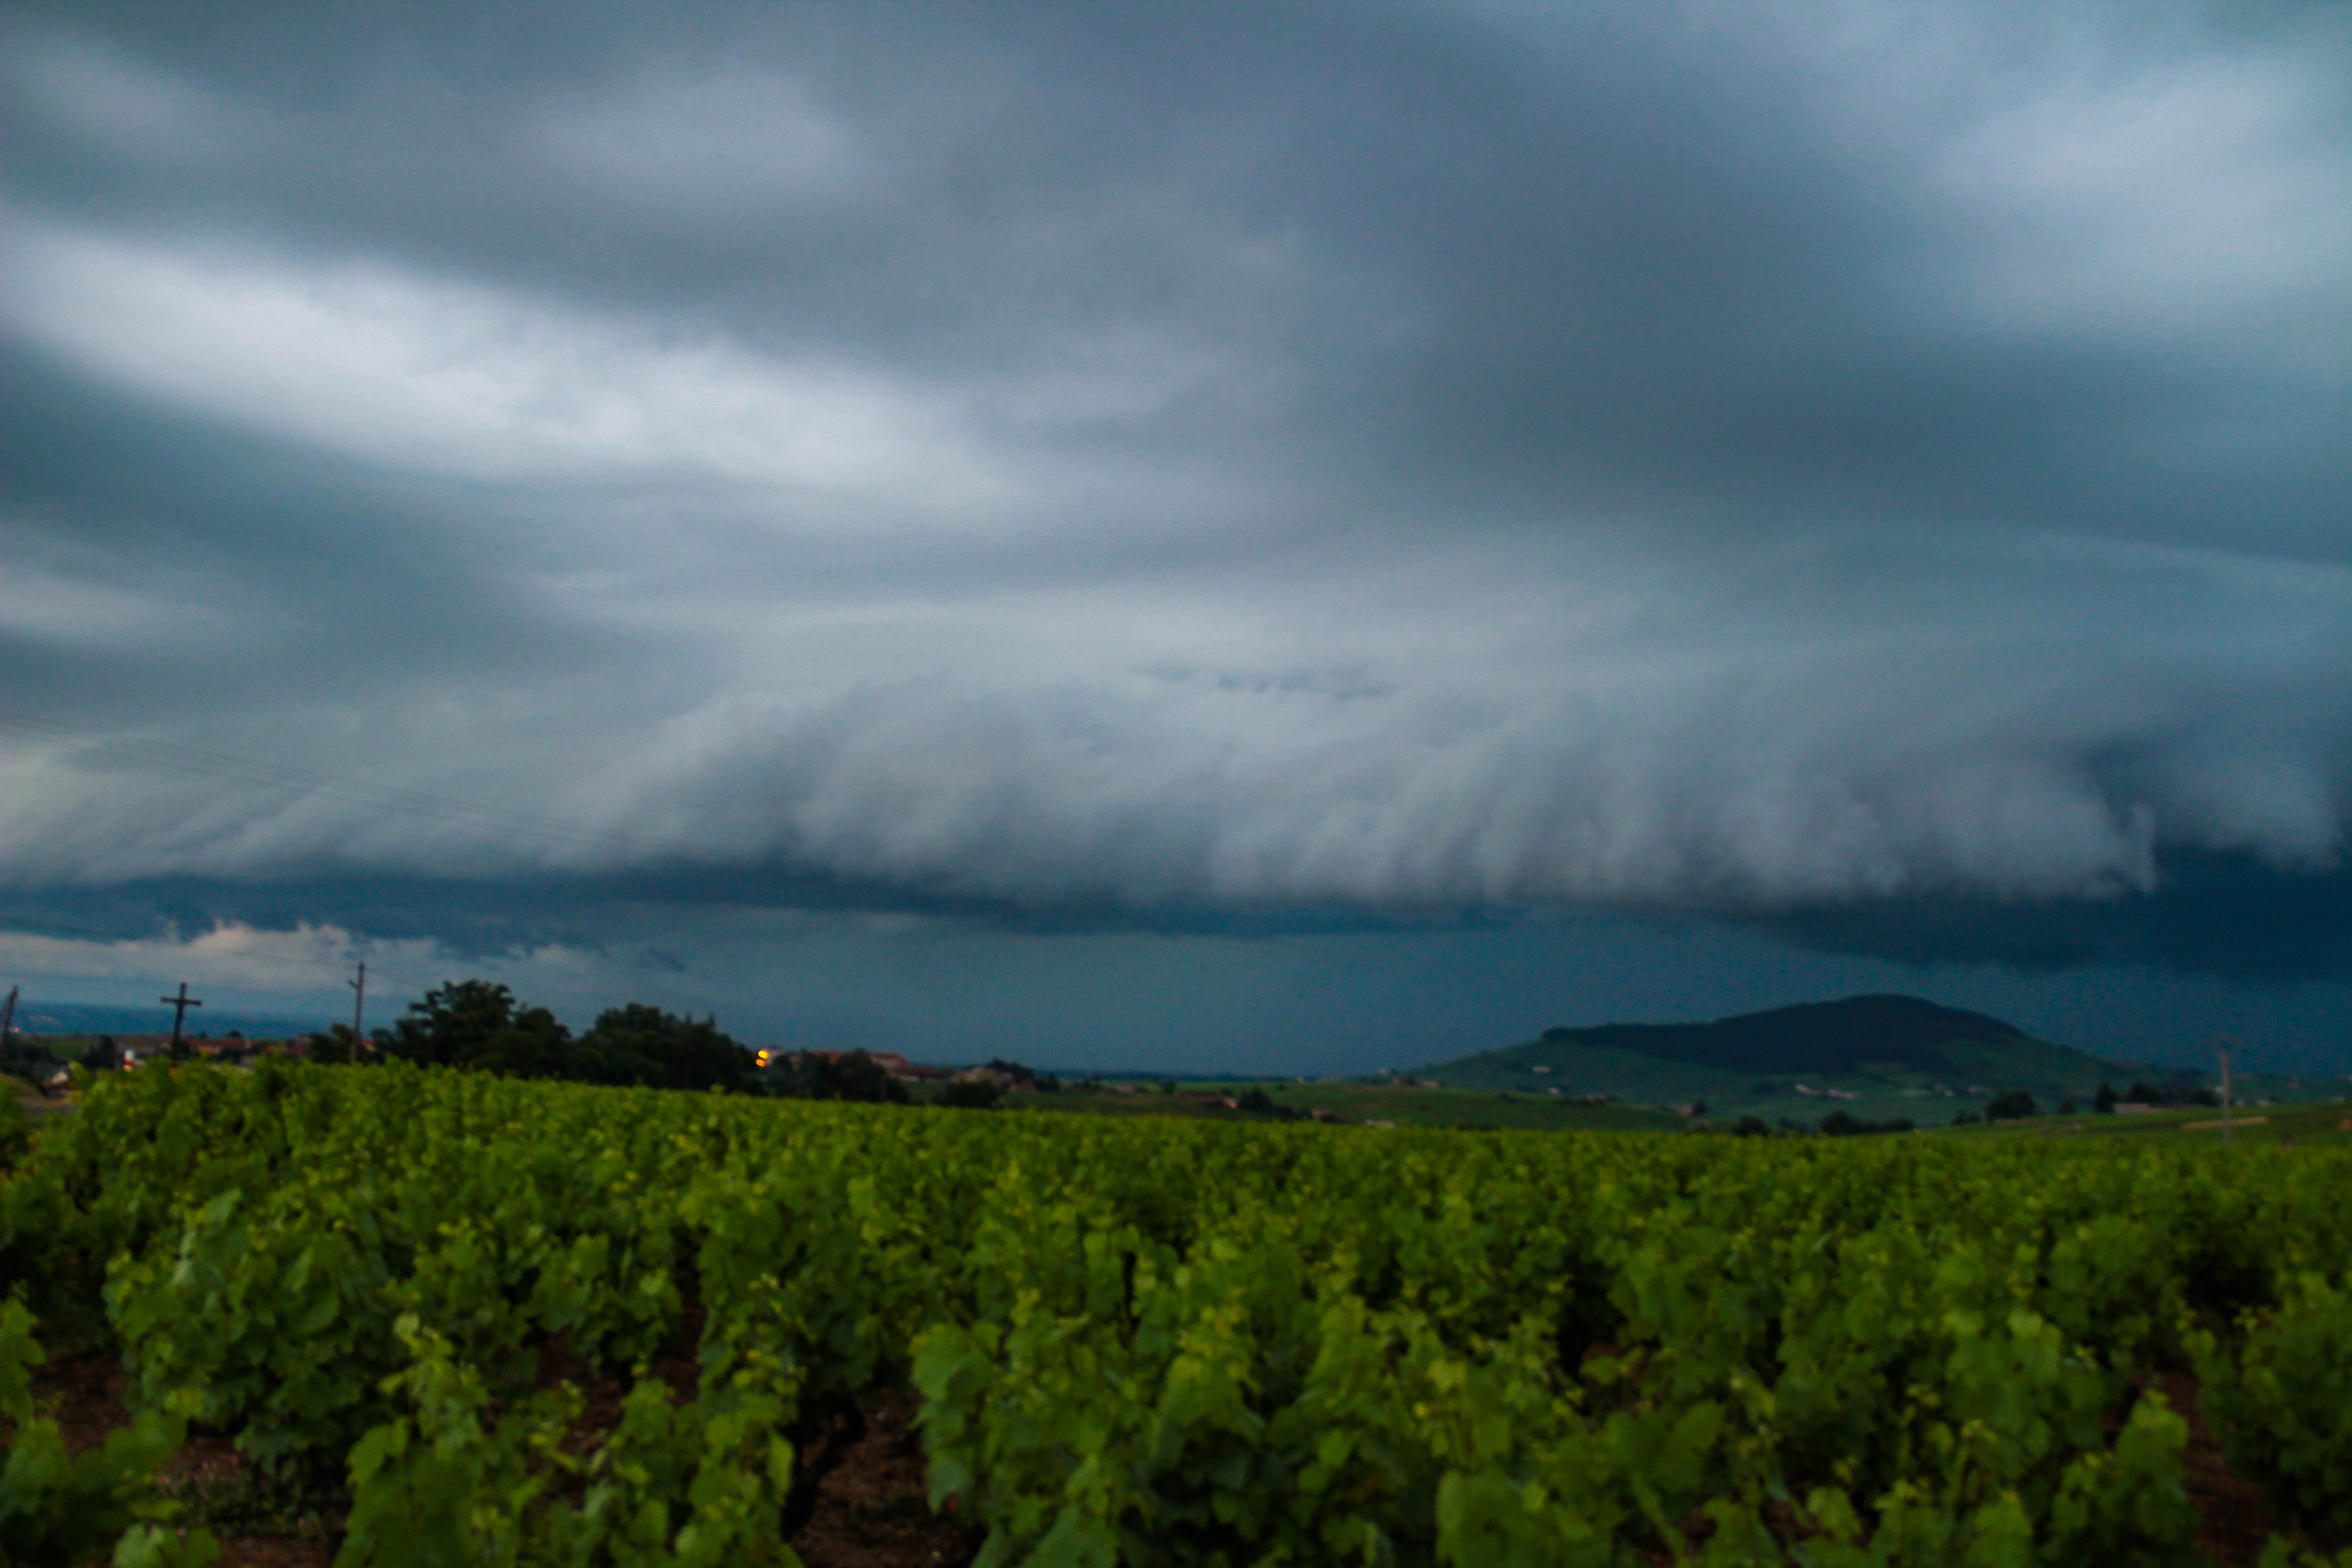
1874	1056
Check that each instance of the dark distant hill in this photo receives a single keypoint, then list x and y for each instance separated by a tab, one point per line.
1875	1056
1815	1037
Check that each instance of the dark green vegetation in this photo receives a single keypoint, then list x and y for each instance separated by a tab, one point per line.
2295	1125
99	1505
1417	1106
1168	1343
855	1076
477	1024
1354	1101
1874	1058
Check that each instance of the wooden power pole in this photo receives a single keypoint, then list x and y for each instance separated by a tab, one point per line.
359	1005
2221	1048
179	1005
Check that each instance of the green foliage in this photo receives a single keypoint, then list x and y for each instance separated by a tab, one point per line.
1845	1124
2283	1406
1255	1101
335	1044
15	1129
640	1045
476	1023
852	1074
55	1509
701	1484
1161	1342
2010	1105
275	1323
976	1094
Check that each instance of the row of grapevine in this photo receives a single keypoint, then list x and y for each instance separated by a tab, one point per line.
1172	1343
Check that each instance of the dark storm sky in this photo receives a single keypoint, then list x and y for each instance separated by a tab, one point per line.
1308	535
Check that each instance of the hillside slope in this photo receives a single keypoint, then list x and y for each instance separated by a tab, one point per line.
1875	1056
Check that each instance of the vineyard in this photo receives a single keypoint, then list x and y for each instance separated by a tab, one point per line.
1158	1343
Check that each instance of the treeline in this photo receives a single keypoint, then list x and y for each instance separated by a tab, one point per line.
2145	1093
478	1024
1836	1124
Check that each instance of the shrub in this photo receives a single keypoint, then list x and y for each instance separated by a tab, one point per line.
852	1075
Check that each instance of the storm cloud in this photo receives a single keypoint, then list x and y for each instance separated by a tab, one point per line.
1875	473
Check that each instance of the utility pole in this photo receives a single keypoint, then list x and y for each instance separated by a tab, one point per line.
2221	1048
359	1004
8	1027
179	1005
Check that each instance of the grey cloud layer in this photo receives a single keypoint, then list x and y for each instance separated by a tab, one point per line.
1745	460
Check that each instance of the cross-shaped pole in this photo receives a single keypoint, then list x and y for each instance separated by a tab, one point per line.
180	1005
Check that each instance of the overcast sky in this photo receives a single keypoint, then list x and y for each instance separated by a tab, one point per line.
1295	537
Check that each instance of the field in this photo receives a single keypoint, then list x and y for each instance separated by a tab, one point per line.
1400	1105
2326	1124
1874	1092
402	1317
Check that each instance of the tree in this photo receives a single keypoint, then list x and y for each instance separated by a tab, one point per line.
476	1023
637	1044
2011	1105
333	1045
972	1094
2103	1103
1257	1102
853	1075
